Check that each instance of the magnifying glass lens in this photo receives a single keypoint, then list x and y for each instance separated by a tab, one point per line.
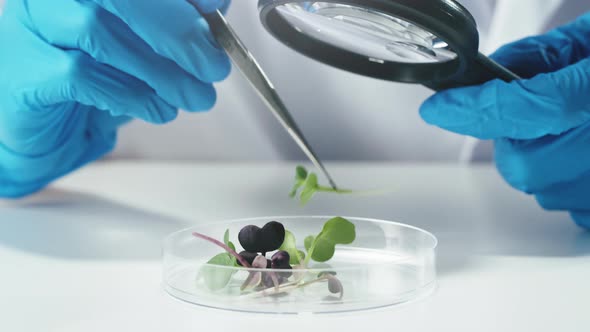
379	36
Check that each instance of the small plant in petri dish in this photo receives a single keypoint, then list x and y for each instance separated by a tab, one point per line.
273	248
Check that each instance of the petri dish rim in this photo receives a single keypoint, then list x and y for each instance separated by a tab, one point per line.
422	293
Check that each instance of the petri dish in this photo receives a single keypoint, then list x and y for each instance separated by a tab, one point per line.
389	263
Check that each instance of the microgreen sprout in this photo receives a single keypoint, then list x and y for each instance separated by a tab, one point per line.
321	248
254	278
287	265
307	185
227	248
290	246
334	284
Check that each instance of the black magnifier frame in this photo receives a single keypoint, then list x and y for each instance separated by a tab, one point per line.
446	19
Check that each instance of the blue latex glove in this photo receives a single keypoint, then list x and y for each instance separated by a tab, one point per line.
73	71
541	125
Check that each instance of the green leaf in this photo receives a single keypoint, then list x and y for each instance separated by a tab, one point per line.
300	173
308	242
300	177
306	196
309	182
217	278
323	250
293	192
311	187
226	237
339	231
301	255
229	243
290	245
336	231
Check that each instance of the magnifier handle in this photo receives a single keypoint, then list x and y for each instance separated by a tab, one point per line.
481	70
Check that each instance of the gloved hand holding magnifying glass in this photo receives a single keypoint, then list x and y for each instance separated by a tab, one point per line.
77	69
541	125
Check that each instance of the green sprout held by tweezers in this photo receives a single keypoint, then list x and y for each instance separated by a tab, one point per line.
308	183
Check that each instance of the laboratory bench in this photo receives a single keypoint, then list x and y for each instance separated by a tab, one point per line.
84	255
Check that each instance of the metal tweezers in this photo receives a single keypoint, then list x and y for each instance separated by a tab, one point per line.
252	71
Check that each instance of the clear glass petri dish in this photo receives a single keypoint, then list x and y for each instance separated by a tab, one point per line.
388	263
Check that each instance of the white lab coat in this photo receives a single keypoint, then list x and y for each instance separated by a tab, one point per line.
344	116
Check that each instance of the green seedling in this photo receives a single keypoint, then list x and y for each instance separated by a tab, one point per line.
307	185
290	246
220	269
321	248
217	278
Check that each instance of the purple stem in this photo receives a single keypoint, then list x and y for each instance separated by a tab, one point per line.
225	247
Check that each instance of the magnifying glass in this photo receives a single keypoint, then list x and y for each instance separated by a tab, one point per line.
430	42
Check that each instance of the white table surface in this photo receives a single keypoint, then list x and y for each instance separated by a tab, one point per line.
84	255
